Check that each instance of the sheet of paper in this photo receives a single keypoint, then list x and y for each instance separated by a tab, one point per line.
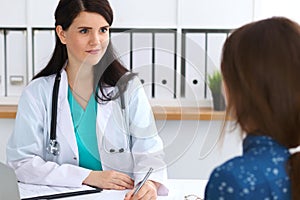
29	190
112	194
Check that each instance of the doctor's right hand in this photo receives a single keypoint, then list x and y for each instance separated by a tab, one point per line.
109	180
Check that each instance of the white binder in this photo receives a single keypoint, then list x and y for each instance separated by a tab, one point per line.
43	46
142	59
16	53
2	65
164	67
195	66
121	44
215	42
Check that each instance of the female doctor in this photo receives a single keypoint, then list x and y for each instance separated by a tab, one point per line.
105	130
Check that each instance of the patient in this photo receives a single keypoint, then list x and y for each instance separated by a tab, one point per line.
261	72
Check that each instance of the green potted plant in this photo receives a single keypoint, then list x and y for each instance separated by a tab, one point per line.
215	86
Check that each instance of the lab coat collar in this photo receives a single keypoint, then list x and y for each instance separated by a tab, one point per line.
108	90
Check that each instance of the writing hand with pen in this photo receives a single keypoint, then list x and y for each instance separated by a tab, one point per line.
145	190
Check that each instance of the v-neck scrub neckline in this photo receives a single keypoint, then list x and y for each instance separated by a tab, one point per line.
84	122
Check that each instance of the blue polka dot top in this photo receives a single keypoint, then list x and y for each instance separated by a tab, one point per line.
260	173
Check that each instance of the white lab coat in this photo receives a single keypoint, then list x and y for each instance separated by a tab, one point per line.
26	148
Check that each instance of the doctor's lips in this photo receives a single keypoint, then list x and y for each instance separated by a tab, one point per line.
93	51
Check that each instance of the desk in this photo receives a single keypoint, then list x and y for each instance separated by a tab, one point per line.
178	189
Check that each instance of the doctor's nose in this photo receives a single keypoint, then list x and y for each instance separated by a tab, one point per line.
95	40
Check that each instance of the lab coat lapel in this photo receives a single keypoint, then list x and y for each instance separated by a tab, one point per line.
104	111
65	128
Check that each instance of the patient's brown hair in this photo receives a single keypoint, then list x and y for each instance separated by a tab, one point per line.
261	70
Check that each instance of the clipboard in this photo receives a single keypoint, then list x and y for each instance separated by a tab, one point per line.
65	194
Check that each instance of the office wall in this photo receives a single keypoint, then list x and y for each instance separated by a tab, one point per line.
268	8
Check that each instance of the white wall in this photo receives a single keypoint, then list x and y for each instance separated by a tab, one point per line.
215	13
137	13
268	8
156	13
182	13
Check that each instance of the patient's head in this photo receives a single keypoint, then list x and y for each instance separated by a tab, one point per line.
261	72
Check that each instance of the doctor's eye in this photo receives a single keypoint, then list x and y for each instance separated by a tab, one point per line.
83	30
103	29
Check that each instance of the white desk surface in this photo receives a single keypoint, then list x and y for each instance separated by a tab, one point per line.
178	189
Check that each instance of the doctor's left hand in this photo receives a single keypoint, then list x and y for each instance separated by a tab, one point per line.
109	180
147	192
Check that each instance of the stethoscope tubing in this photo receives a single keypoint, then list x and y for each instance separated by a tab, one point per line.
54	107
53	146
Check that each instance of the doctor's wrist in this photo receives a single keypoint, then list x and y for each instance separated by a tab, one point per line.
90	178
155	184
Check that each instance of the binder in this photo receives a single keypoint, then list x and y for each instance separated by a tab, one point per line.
164	66
215	42
2	65
195	66
142	59
43	46
16	61
121	44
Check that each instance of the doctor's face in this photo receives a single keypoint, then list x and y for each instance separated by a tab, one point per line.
86	39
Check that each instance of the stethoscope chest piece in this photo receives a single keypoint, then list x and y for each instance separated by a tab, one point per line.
53	148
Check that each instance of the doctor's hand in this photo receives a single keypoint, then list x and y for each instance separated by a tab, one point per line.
109	180
147	192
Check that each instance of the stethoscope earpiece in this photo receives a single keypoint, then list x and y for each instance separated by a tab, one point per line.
114	151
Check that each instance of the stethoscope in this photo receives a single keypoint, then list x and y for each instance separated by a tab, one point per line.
129	138
53	145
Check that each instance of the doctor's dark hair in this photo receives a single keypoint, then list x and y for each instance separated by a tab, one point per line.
109	70
261	69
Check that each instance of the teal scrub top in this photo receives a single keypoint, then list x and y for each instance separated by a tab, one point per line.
84	122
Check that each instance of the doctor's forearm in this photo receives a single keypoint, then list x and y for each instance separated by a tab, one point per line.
109	179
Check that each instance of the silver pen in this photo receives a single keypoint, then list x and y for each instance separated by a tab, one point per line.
143	181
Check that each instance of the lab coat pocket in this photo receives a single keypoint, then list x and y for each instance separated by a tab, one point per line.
116	155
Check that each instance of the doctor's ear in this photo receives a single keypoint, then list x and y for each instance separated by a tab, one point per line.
61	34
